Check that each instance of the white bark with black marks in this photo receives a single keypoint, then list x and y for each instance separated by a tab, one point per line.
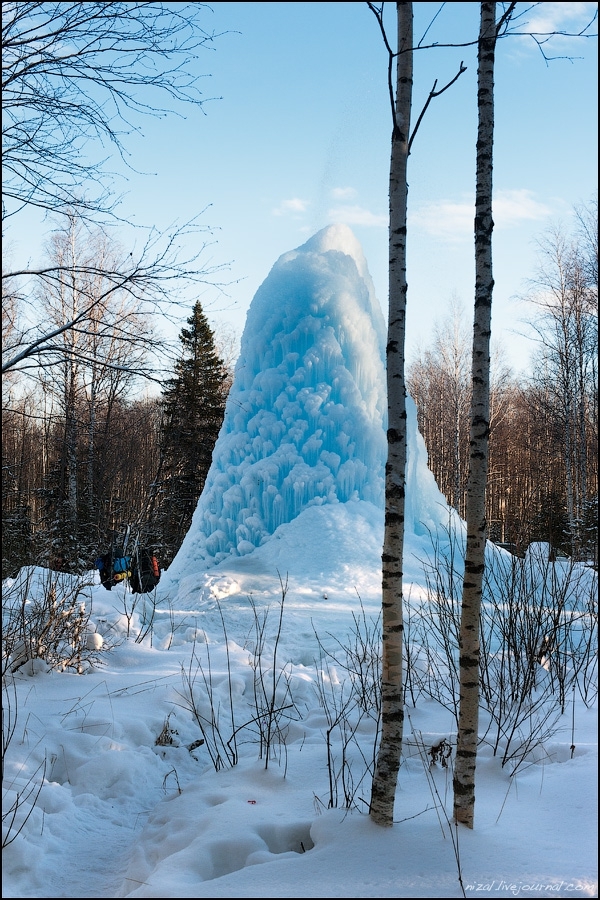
466	751
388	759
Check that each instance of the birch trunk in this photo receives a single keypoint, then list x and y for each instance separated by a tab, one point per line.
388	759
468	721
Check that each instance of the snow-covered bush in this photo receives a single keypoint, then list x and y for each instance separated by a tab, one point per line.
46	623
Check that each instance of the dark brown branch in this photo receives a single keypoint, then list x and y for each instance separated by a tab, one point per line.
433	93
378	13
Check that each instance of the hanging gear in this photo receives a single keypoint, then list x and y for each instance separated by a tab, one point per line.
145	571
140	566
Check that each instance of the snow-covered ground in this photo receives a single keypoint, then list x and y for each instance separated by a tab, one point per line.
124	812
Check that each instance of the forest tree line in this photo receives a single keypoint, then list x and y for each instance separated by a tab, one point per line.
82	458
543	450
83	455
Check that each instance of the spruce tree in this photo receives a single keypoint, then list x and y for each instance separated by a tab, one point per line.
193	408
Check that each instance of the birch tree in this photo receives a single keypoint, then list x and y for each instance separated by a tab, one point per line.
77	78
466	750
566	326
385	778
86	370
439	383
388	758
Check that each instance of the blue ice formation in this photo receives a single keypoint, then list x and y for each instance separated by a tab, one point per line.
305	418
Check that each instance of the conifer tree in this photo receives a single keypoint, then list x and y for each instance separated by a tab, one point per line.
193	410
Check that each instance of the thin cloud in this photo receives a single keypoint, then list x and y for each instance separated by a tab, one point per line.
445	220
343	193
549	17
546	21
295	205
357	215
512	207
453	221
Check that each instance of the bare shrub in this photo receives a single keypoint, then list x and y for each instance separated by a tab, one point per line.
47	625
538	637
537	645
271	708
435	624
272	690
198	698
352	706
25	793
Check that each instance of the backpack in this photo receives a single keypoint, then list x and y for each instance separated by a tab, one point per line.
112	569
145	571
104	566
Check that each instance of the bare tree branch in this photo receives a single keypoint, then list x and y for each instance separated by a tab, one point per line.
156	277
433	93
75	76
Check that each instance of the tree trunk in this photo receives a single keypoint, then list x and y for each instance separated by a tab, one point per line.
388	759
466	751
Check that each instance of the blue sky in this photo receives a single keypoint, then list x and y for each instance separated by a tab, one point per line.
300	139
